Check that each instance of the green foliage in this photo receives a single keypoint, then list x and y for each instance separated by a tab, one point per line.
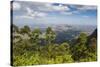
81	52
50	35
32	51
26	29
92	44
35	37
15	28
82	38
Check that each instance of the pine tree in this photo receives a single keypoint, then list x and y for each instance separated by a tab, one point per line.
50	35
79	50
35	37
25	29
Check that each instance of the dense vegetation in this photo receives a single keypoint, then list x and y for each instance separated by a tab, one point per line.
32	47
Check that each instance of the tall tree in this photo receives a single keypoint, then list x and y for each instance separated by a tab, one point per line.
35	37
79	50
50	35
15	28
25	29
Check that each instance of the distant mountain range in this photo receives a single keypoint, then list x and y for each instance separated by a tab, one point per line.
65	32
62	27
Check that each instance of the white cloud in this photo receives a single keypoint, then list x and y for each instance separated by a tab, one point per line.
87	8
85	16
24	16
67	13
60	8
16	6
40	14
29	11
31	14
50	7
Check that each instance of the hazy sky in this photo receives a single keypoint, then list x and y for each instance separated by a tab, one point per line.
53	13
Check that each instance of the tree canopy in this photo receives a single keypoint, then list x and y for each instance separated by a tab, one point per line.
33	51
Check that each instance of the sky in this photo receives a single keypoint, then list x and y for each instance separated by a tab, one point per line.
27	12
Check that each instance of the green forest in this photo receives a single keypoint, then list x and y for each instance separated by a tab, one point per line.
32	47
